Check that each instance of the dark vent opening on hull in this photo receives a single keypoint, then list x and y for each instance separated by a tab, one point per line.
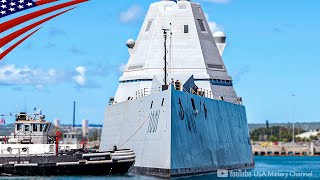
205	111
201	24
215	66
135	67
193	104
151	105
162	102
149	25
181	110
186	29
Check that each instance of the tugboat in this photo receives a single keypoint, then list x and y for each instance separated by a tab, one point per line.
31	136
32	152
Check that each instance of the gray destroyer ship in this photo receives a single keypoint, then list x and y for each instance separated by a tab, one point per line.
175	105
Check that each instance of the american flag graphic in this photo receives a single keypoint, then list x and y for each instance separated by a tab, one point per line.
9	7
2	121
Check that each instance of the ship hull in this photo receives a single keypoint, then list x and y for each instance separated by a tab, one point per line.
174	133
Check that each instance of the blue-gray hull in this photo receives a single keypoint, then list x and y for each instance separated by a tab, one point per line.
207	135
175	133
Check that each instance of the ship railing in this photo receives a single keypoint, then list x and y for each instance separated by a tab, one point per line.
200	92
208	94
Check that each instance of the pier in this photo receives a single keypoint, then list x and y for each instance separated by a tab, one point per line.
285	149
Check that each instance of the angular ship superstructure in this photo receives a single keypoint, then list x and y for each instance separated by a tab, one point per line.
176	106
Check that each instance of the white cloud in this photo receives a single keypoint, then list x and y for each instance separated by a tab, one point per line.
15	76
52	72
237	75
12	75
214	27
122	68
39	78
132	14
80	78
218	1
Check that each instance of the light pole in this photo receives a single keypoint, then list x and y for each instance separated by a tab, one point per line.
293	113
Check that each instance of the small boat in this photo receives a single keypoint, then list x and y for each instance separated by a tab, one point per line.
32	152
31	137
116	162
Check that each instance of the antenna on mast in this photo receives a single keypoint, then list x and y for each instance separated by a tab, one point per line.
165	80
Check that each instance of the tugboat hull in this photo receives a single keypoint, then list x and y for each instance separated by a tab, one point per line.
106	163
52	169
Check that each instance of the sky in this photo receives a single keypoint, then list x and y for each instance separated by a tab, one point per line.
272	54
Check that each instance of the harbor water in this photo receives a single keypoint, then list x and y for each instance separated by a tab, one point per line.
283	167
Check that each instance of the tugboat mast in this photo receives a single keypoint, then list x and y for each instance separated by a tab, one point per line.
74	115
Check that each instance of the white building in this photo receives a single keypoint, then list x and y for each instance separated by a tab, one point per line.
57	123
308	134
85	128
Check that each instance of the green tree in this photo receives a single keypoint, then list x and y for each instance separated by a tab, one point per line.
274	134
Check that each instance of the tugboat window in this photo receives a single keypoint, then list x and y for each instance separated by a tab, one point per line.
19	127
151	105
41	127
35	127
186	29
45	128
162	101
26	128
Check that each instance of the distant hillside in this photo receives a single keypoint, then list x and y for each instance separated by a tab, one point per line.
80	125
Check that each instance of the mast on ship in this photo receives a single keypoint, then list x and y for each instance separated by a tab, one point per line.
165	80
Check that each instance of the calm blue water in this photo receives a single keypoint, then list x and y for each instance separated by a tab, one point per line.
266	168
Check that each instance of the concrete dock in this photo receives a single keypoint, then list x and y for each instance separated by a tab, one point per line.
285	149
